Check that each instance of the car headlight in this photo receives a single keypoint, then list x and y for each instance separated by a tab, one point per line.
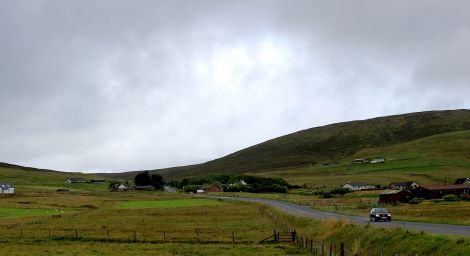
389	215
377	215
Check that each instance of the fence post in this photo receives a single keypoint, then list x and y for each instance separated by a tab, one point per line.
21	232
274	236
164	235
293	235
135	236
342	249
49	232
311	245
382	252
76	233
331	248
107	233
233	238
322	249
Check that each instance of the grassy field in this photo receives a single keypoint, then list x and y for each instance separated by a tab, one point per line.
31	212
144	223
174	203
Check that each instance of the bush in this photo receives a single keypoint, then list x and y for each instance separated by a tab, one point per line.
191	188
340	191
451	198
415	201
465	197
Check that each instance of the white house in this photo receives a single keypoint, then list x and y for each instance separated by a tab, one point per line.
6	188
462	181
75	180
377	161
355	186
408	185
122	187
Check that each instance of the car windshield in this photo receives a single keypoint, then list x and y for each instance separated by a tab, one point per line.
380	210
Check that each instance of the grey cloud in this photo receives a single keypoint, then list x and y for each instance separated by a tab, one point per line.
119	85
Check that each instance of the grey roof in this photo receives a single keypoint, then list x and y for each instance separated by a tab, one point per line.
357	184
77	179
402	183
6	185
461	181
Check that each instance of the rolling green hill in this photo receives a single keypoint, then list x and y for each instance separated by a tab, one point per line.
34	179
331	143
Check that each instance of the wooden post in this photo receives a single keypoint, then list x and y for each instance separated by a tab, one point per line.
135	236
331	249
21	232
76	233
311	245
233	238
274	236
49	232
107	233
322	249
197	233
342	249
164	235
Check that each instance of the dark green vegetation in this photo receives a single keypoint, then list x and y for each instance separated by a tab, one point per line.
145	179
236	183
335	143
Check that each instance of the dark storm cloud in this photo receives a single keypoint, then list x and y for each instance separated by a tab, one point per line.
118	85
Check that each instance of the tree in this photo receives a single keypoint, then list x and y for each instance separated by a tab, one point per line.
143	179
157	181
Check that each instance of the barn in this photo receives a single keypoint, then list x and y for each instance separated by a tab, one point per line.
393	196
438	191
211	188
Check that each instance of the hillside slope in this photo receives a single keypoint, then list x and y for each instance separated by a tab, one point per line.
329	143
34	179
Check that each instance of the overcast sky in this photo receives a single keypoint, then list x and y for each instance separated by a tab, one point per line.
128	85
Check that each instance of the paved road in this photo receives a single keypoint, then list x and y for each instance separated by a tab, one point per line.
306	211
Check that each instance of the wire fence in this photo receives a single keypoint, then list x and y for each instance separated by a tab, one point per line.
318	247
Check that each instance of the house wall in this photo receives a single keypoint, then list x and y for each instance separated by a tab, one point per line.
438	194
392	198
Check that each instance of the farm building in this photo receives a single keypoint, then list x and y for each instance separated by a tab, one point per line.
377	161
6	188
438	191
75	180
211	188
462	181
359	161
355	186
393	196
403	185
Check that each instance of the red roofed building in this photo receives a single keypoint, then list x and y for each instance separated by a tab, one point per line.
438	191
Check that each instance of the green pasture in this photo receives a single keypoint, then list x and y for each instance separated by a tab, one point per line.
30	212
173	225
173	203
